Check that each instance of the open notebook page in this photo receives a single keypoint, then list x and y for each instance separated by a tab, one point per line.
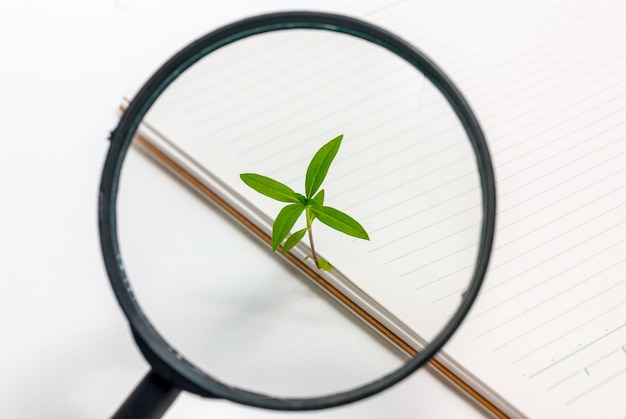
548	332
548	82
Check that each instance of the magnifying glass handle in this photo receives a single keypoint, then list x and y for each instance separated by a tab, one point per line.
150	399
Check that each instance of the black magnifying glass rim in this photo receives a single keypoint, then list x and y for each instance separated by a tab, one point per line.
179	370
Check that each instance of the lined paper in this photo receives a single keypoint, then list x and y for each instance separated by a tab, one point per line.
546	79
406	169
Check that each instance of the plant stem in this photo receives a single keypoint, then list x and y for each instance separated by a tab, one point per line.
309	223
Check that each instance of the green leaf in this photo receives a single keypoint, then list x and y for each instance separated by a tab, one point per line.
319	198
324	265
293	240
284	222
318	168
270	187
302	199
339	221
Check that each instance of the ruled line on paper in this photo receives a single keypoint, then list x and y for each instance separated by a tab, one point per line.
594	388
305	140
463	54
426	246
564	122
550	54
576	176
566	197
561	184
561	216
412	232
447	256
554	86
242	88
545	261
324	101
572	308
582	348
295	48
596	150
384	174
575	117
563	137
362	149
414	144
414	214
486	10
564	380
579	37
457	291
415	196
523	37
234	74
557	338
506	41
600	359
230	62
327	81
320	103
521	293
566	311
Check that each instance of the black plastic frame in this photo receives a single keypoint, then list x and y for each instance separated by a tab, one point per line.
166	363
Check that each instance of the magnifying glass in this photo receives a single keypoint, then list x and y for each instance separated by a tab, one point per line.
187	245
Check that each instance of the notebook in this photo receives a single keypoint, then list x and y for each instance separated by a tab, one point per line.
547	336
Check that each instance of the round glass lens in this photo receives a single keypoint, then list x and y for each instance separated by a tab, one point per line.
355	135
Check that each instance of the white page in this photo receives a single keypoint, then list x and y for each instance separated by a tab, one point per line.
546	82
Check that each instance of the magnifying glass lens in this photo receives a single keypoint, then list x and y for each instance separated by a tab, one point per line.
194	237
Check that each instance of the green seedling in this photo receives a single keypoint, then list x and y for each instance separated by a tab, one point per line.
311	204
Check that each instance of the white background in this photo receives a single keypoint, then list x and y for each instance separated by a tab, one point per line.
66	351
